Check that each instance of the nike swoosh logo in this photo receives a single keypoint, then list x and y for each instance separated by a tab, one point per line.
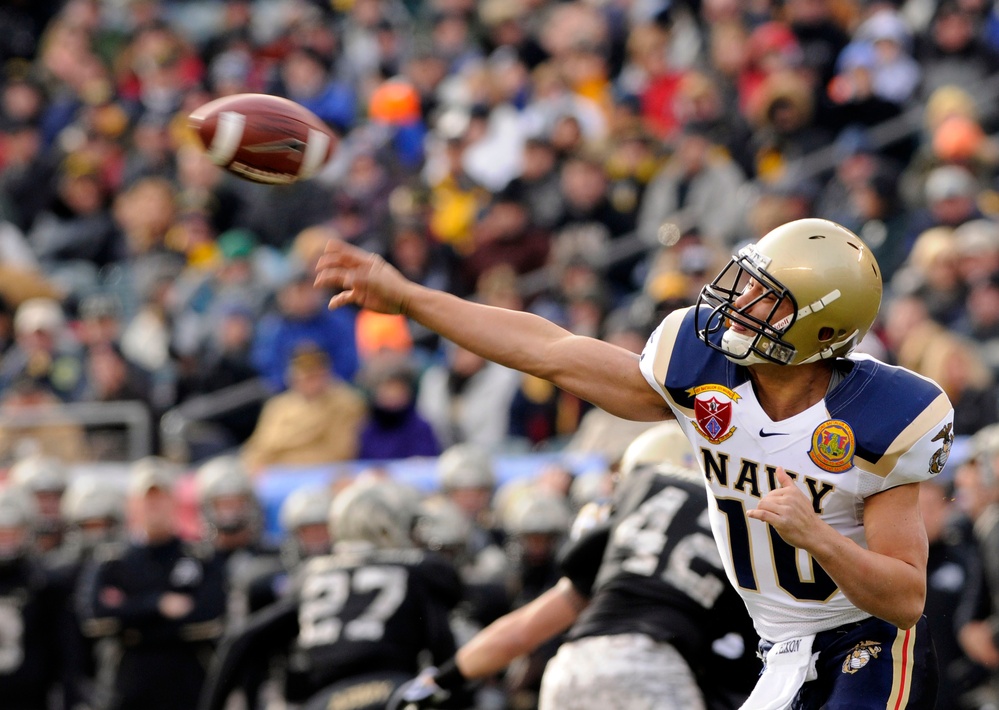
772	433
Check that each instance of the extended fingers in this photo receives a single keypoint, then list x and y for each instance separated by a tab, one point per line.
340	253
334	276
331	260
341	299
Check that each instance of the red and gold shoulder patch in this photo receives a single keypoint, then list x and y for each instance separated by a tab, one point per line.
713	411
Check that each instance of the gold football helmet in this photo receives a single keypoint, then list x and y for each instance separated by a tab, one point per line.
828	275
663	445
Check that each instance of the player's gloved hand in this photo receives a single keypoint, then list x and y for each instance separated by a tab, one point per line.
429	689
420	692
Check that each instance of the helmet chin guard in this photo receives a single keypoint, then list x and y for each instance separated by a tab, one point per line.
763	341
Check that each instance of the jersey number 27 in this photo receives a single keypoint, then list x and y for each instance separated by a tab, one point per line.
331	610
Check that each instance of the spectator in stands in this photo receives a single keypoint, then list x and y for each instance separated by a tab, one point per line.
981	321
932	272
863	196
44	350
467	399
203	188
783	121
689	184
538	182
820	35
151	153
851	98
395	430
504	235
951	51
895	74
957	366
302	316
76	229
232	275
277	213
587	205
305	78
649	76
361	204
225	359
318	420
701	100
950	197
771	48
977	246
907	329
455	196
58	436
26	172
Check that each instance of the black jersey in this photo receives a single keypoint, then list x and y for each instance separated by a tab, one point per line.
29	654
375	610
358	611
653	568
161	664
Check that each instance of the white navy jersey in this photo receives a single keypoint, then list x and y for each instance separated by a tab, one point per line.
878	427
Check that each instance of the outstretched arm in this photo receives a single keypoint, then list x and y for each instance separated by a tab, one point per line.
603	374
521	631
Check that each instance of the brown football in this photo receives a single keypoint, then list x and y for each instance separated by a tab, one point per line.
263	138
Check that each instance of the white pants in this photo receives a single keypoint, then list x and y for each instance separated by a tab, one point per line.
624	672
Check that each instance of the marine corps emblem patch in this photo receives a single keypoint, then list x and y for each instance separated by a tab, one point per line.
833	446
860	655
713	411
939	459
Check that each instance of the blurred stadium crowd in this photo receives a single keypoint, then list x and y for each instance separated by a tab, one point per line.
592	161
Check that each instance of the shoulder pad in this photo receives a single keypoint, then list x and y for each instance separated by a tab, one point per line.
884	435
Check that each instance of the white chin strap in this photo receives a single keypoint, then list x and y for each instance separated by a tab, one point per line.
737	345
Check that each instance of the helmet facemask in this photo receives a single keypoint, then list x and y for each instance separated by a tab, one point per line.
764	342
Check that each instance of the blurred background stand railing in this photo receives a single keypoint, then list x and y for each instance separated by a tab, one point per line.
211	424
94	431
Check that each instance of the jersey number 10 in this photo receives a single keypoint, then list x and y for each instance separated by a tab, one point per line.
785	558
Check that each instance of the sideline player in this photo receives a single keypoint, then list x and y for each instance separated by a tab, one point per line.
358	620
812	457
652	615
